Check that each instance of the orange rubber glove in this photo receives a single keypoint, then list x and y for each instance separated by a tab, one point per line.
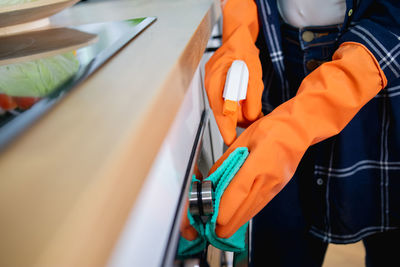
187	231
327	100
240	31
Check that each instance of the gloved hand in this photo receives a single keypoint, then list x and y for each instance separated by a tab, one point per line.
327	100
187	231
240	31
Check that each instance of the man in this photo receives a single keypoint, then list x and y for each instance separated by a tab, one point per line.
326	74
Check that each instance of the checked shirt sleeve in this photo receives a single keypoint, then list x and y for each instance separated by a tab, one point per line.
379	31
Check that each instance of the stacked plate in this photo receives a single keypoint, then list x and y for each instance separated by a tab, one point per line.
14	12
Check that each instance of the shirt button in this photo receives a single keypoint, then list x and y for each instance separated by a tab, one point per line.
320	181
350	12
307	36
312	64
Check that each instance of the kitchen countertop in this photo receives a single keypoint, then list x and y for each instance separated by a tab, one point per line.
68	184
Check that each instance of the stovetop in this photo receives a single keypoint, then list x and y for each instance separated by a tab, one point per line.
30	86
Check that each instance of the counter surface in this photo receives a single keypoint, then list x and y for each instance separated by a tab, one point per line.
68	184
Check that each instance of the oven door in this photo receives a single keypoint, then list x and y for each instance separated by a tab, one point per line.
202	159
200	162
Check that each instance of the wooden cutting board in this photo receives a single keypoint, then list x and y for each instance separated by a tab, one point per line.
22	13
38	44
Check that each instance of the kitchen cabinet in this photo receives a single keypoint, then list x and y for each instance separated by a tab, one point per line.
150	236
71	183
146	233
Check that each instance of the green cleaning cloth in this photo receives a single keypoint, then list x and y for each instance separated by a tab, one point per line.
220	180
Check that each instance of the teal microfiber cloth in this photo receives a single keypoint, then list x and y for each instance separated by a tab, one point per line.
220	180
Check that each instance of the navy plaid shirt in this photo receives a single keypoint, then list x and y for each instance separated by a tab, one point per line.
356	173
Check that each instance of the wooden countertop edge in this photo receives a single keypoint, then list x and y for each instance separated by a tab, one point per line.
120	192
